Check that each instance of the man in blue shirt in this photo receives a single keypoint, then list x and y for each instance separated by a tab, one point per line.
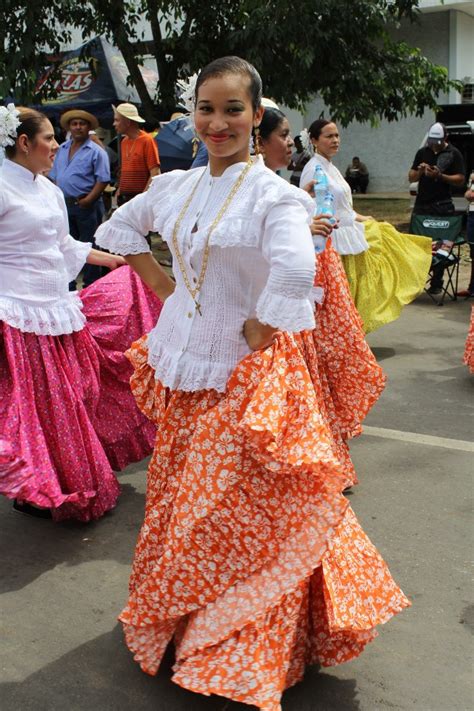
81	169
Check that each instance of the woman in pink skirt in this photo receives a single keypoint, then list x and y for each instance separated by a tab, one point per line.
67	417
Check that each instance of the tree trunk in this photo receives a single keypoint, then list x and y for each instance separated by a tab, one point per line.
166	70
126	47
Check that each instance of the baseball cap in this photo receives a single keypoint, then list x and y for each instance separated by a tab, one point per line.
436	133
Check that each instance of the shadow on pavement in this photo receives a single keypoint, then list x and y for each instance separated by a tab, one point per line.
41	545
382	353
101	675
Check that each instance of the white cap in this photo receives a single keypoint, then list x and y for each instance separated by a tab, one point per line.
269	103
436	133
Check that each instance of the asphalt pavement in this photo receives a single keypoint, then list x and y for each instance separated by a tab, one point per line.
63	585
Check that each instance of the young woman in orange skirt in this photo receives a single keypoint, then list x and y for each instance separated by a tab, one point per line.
249	557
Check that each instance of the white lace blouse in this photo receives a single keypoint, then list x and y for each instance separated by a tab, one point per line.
349	238
38	256
261	264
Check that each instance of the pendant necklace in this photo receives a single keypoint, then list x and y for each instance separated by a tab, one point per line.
194	291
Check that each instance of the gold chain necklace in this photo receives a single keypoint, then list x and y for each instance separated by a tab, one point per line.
130	149
194	291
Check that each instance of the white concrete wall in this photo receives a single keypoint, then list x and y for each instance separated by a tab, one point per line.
461	49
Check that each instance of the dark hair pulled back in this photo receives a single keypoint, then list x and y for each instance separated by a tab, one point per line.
272	119
317	126
233	65
31	124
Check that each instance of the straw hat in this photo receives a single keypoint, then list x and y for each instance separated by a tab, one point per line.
128	111
78	114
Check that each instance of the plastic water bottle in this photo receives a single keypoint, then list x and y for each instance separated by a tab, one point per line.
321	180
324	204
327	207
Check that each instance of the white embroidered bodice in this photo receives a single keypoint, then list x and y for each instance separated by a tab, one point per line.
349	238
38	256
261	264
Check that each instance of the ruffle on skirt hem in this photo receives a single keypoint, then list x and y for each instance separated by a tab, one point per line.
345	374
16	478
249	556
353	379
389	275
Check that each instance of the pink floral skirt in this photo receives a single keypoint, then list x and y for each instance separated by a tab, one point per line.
469	348
67	416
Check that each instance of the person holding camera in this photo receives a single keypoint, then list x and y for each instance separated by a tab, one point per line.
438	167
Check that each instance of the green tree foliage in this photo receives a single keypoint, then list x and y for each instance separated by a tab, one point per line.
339	49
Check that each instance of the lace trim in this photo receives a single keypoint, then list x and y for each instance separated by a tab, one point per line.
350	240
120	241
186	374
286	313
62	317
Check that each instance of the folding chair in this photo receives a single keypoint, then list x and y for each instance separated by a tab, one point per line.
441	229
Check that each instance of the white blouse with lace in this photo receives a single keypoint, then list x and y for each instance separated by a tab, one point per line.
349	238
38	256
261	264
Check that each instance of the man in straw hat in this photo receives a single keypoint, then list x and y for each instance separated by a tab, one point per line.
81	169
139	160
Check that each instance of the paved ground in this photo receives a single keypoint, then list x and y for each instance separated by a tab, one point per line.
63	585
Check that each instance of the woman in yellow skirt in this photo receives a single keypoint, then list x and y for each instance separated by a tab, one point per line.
249	559
386	270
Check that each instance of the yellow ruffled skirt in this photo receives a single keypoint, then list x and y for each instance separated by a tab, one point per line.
389	275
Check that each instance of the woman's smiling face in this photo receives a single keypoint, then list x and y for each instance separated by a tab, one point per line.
224	118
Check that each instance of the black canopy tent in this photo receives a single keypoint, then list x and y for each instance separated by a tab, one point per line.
93	77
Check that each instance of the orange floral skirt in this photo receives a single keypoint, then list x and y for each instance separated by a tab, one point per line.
344	372
249	557
469	349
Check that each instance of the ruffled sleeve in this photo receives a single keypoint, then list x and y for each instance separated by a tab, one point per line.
125	232
286	300
75	254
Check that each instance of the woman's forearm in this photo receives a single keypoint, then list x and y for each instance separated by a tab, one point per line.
148	269
104	259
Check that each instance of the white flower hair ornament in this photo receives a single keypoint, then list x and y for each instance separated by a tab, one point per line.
188	90
9	123
306	141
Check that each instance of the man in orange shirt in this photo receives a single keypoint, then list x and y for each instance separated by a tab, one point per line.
139	160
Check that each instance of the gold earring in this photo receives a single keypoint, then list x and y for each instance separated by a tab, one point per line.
257	141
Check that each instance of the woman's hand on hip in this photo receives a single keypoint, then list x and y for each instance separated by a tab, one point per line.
258	335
